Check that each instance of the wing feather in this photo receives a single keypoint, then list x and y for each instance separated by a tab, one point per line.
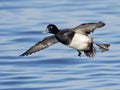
87	28
46	42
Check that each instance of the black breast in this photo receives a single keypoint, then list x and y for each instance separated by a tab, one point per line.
65	36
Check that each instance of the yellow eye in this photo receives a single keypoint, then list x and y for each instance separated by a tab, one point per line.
51	27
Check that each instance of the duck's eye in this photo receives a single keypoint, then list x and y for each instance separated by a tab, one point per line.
51	27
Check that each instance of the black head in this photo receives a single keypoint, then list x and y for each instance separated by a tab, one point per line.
52	29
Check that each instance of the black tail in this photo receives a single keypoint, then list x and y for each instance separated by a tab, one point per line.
103	47
91	52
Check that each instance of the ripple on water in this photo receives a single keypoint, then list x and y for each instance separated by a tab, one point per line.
58	67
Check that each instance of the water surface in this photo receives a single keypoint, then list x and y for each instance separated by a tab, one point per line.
57	67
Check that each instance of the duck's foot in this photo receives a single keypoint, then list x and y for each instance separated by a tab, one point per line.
79	53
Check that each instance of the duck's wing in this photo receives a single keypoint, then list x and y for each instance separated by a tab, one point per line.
46	42
87	28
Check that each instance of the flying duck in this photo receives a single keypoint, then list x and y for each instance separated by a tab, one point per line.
77	38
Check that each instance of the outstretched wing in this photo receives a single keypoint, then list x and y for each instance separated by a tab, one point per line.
87	28
46	42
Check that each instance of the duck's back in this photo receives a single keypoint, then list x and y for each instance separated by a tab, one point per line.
65	36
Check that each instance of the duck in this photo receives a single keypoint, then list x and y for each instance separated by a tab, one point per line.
77	38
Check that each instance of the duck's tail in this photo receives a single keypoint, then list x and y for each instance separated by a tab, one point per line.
91	52
103	47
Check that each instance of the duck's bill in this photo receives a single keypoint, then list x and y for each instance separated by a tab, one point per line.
45	31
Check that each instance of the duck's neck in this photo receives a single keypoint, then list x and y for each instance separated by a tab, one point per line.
55	31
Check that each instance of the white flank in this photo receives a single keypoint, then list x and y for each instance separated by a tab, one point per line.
80	42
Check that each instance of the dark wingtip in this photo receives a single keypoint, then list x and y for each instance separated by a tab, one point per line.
24	54
100	24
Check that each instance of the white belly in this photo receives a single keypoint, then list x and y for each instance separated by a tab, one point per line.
80	42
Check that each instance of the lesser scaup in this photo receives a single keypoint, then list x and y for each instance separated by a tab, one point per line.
76	38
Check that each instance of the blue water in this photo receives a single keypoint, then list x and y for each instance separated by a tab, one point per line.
57	67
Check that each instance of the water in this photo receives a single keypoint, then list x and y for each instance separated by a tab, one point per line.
57	67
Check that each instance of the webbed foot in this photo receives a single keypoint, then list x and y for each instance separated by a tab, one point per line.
79	53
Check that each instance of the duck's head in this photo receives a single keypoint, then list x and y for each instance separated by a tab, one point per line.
52	29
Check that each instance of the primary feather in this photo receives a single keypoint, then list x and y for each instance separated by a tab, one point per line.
48	41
